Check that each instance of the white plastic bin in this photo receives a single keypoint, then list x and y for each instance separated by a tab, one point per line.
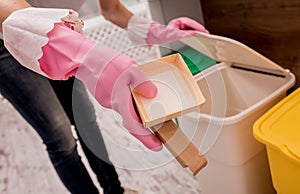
238	90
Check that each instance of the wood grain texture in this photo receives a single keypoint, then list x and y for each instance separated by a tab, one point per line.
269	27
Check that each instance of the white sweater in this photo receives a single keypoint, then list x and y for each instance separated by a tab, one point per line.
67	4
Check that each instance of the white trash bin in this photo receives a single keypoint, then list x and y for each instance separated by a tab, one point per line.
238	90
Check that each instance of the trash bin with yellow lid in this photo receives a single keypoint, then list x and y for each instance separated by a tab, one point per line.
279	130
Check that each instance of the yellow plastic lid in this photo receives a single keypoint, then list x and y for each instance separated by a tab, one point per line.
280	126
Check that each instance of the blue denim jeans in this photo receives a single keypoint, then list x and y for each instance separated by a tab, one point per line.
51	107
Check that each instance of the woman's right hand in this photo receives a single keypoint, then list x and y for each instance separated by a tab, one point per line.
53	49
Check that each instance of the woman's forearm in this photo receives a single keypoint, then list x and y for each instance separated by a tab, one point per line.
116	12
7	7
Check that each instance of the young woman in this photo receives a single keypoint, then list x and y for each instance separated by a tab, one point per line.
42	39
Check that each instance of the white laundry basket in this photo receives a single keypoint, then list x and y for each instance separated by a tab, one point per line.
102	31
238	90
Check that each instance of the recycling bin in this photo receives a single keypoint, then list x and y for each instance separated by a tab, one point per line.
241	87
279	130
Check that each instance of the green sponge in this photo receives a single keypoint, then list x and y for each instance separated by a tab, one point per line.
195	61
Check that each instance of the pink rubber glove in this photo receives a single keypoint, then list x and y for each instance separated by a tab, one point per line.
143	31
49	42
106	73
